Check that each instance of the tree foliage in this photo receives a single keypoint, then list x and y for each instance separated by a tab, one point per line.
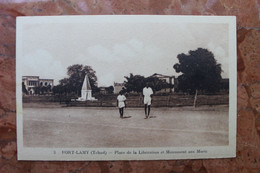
73	83
200	71
42	90
24	88
157	84
136	83
110	89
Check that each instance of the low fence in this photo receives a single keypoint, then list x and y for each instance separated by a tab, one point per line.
137	101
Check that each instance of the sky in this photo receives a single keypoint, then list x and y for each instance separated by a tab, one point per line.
116	49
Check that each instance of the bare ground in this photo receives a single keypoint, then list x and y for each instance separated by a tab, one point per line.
51	125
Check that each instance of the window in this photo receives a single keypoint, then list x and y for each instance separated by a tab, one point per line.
32	83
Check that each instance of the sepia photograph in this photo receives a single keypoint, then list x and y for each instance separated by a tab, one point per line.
126	87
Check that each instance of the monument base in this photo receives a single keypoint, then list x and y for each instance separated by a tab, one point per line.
83	99
86	95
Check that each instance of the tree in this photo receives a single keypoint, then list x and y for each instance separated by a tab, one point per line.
73	83
134	83
137	83
49	89
156	83
37	90
58	89
200	71
42	90
24	88
77	73
109	89
63	87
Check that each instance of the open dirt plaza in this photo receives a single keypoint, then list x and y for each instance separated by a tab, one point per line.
54	125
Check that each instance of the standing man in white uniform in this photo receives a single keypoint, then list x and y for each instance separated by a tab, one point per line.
121	103
147	92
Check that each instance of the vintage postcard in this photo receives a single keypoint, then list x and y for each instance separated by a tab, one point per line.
126	87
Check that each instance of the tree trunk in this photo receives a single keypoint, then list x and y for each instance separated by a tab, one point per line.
195	98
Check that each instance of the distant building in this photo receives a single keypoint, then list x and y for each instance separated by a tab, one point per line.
118	87
31	83
169	79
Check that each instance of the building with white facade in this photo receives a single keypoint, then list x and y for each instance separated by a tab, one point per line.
169	79
118	87
32	83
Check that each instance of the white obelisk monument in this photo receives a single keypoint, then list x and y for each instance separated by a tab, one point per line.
86	92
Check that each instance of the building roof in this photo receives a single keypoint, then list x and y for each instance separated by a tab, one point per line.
38	77
30	76
118	84
46	79
160	75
